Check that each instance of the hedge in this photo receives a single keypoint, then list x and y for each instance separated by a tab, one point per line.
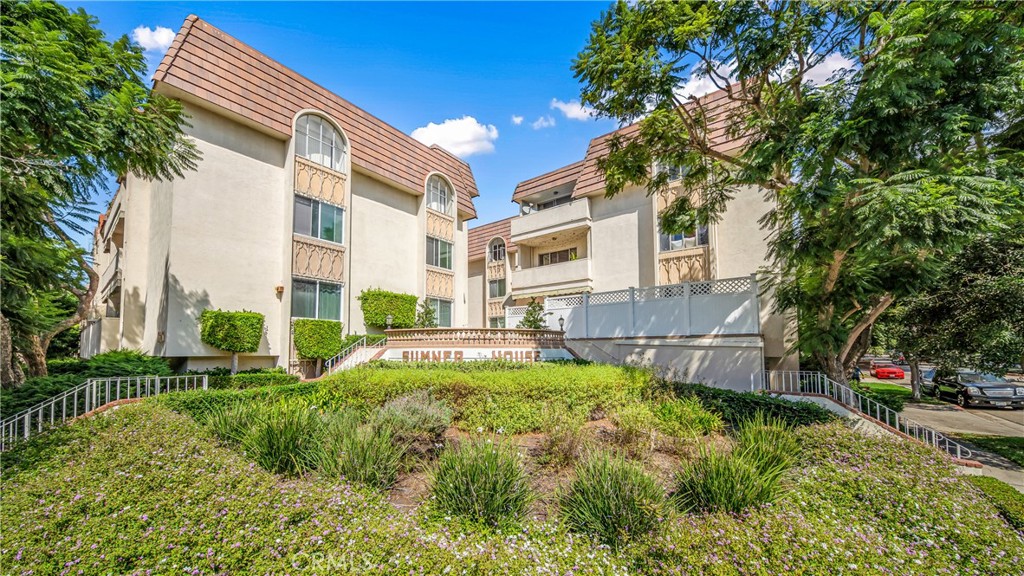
1004	497
377	304
320	339
244	380
231	331
735	407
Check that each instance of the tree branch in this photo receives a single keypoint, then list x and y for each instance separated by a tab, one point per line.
864	324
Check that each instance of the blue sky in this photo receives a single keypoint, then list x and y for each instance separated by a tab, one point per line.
413	64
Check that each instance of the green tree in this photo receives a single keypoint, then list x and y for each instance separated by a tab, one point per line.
76	110
534	317
426	317
235	332
874	176
317	339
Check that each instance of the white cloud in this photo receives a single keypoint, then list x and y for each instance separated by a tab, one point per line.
153	39
698	86
573	109
543	122
832	63
517	120
460	136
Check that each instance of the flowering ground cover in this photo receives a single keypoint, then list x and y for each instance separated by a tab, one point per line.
147	489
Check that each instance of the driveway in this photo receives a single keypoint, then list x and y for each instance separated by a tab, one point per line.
952	420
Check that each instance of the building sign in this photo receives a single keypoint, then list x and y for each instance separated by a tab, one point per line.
475	354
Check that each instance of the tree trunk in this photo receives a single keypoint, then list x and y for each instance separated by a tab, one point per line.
11	375
234	363
915	378
35	356
319	366
834	369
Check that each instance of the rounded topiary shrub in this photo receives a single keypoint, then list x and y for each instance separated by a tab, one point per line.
612	499
377	304
481	482
235	332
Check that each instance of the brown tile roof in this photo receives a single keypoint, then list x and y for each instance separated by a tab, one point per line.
563	175
481	235
590	179
209	64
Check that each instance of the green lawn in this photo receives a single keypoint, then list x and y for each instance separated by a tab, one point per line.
1010	447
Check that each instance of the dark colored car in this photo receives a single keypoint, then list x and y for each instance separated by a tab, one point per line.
972	388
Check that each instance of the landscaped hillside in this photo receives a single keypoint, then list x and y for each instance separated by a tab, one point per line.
596	470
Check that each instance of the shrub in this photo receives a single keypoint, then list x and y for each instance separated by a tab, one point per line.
481	482
234	332
377	304
285	437
199	404
734	407
317	339
231	423
534	317
243	380
1004	497
635	428
415	416
471	366
368	454
126	363
60	366
425	315
725	481
686	417
611	499
766	442
564	438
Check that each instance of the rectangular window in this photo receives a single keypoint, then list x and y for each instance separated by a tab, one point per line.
557	257
497	322
439	253
497	252
312	299
442	312
669	242
555	202
674	172
496	288
318	220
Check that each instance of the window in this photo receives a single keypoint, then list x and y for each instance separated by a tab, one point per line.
497	250
442	311
680	241
555	202
674	172
439	253
498	322
318	141
319	220
312	299
496	288
439	195
557	257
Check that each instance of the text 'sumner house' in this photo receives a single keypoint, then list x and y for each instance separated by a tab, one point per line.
301	201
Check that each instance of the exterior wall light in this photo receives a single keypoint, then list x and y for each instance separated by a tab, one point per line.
561	323
390	318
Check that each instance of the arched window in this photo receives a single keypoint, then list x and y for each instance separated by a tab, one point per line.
440	197
318	141
497	250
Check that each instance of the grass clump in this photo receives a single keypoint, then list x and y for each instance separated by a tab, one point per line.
687	417
368	454
481	482
564	438
635	429
1004	497
415	416
284	438
230	423
749	475
611	499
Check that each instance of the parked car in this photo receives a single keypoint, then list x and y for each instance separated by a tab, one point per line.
972	388
886	370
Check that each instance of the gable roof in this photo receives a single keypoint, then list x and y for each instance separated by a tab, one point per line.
557	177
210	65
480	236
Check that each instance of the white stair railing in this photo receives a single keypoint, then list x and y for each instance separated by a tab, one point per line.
353	355
806	383
86	397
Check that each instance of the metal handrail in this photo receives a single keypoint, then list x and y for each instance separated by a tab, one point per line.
816	383
88	396
341	356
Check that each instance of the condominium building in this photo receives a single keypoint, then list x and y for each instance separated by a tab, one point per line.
301	201
569	238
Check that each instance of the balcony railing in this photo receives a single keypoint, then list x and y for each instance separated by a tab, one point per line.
575	214
111	277
574	274
496	337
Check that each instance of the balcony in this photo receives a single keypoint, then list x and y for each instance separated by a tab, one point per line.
572	276
110	277
538	226
684	265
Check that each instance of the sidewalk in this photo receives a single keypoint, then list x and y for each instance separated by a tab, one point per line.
951	420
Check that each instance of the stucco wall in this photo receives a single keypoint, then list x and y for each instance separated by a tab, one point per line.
476	293
622	240
739	246
386	241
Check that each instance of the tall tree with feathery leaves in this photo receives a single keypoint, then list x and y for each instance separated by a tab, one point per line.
875	176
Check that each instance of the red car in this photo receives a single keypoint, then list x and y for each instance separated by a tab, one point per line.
882	370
